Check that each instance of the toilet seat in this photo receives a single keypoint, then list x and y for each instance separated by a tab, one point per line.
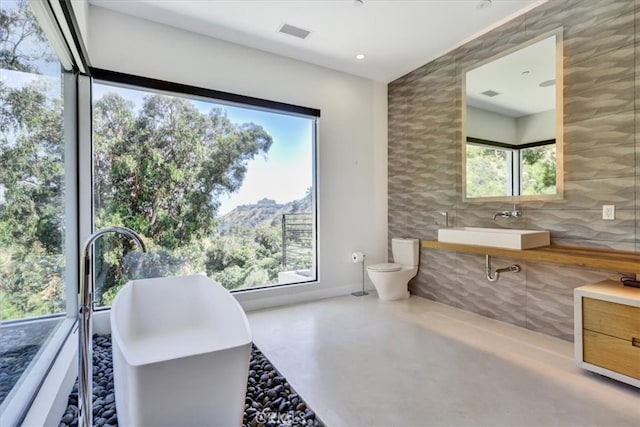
386	267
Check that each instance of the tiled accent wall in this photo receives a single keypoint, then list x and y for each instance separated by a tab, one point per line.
600	146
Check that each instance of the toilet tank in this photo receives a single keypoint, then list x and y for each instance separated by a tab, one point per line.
405	251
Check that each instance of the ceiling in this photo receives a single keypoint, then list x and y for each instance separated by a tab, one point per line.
396	36
520	83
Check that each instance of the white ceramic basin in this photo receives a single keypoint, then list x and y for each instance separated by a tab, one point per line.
495	237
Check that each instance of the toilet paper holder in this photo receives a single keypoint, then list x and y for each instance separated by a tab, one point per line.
358	258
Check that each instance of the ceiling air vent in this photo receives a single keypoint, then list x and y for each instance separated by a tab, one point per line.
294	31
490	93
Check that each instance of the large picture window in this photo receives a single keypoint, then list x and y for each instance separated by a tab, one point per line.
219	188
37	206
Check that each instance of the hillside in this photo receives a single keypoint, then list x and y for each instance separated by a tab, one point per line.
262	213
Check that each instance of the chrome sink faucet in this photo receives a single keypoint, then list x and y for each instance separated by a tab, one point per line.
85	335
506	214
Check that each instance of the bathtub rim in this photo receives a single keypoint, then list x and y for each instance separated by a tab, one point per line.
136	361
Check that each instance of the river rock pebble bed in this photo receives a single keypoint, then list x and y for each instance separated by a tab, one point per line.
270	400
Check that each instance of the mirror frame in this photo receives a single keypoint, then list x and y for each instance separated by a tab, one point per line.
559	124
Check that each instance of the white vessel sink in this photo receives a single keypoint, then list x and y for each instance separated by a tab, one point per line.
495	237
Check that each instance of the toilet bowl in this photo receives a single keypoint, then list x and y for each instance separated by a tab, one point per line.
391	279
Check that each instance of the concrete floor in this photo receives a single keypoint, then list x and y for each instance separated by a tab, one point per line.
364	362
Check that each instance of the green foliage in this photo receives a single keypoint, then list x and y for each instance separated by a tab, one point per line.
156	262
245	257
31	210
539	170
31	176
32	282
161	170
23	46
486	171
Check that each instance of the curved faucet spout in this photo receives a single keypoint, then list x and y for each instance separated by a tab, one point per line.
85	350
505	214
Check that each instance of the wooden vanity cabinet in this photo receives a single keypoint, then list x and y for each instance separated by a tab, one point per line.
607	330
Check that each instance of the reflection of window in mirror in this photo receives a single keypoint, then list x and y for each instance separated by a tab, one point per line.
538	169
489	171
513	123
496	169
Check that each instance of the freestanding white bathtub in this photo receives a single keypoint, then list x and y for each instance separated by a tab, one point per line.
181	350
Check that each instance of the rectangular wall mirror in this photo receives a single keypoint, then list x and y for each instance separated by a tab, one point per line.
512	124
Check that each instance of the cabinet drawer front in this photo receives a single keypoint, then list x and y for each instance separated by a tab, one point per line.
618	320
611	353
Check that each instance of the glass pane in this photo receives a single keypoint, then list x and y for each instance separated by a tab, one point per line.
212	188
538	170
488	171
32	258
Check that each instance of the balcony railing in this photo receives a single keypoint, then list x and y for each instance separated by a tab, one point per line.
297	241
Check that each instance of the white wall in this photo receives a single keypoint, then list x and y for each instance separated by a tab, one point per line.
352	141
492	126
536	127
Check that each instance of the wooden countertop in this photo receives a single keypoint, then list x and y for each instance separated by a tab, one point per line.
610	290
598	258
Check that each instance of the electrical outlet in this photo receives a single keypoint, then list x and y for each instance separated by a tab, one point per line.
608	212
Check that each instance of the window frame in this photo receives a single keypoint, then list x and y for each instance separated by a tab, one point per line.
131	81
57	20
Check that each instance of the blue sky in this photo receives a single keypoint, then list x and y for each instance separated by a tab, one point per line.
286	173
283	175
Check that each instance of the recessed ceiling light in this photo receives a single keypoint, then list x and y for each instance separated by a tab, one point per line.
360	56
484	4
525	72
548	83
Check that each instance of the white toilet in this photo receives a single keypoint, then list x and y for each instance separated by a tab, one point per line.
391	279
